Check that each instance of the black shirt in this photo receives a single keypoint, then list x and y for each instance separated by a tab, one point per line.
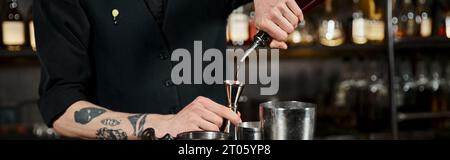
158	7
123	66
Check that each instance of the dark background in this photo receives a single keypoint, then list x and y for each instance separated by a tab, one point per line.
308	74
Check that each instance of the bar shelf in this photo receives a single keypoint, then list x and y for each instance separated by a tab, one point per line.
422	115
27	52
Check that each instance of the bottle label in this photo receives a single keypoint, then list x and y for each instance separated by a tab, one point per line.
358	31
375	30
411	28
425	27
295	37
13	33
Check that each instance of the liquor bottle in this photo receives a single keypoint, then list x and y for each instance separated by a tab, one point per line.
408	90
331	32
435	85
31	30
395	16
13	28
424	19
440	21
445	108
422	89
239	26
358	24
303	34
447	24
373	106
375	29
407	87
443	25
295	37
438	91
407	22
345	84
423	95
252	25
227	32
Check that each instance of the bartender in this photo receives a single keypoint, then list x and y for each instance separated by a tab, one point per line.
106	63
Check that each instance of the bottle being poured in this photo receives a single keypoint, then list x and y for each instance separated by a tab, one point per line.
262	38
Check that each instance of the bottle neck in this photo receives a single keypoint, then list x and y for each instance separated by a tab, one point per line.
329	6
422	7
13	13
407	2
357	12
13	5
407	5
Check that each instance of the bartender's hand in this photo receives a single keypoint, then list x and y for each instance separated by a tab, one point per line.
278	18
202	114
86	120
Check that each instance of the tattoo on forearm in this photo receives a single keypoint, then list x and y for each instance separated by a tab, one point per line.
110	122
138	122
86	115
111	134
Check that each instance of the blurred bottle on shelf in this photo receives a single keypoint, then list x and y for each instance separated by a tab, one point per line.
331	32
238	27
252	25
447	24
303	34
445	108
227	33
13	28
41	131
345	85
407	26
31	30
438	92
374	113
423	89
424	19
427	93
358	24
396	17
375	29
444	26
442	17
407	87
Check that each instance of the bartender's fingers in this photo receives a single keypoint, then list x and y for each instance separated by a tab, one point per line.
189	128
274	30
293	6
220	110
289	15
210	116
278	44
282	22
206	125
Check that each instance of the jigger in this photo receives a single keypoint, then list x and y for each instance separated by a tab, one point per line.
233	91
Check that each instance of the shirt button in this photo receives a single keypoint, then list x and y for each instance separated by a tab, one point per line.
168	83
163	56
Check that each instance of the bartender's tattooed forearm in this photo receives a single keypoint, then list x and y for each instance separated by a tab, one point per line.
137	121
85	115
110	122
111	134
